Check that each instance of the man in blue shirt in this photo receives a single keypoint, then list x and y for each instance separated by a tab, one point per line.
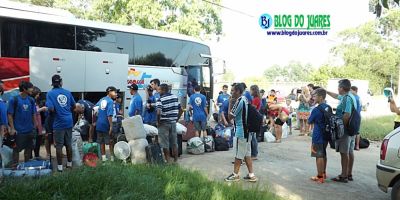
136	105
354	91
104	124
319	144
198	106
61	103
223	97
150	113
155	84
242	142
345	145
22	120
247	93
3	114
84	109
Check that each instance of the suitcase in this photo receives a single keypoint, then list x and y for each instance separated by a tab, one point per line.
154	154
34	165
179	136
190	133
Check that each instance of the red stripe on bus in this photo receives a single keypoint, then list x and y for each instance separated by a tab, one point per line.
13	67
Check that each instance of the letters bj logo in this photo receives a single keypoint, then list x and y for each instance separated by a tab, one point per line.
265	21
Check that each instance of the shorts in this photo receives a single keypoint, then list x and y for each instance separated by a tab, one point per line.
167	135
279	122
24	141
242	147
304	115
345	144
318	150
103	138
63	137
200	125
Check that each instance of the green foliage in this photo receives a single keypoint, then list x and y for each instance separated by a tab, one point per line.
117	181
370	51
376	128
190	17
294	71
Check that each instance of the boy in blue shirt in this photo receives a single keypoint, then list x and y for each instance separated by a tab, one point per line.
150	112
61	103
198	106
223	96
3	114
136	106
104	124
319	144
22	118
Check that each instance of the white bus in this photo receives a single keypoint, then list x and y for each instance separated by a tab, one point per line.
175	59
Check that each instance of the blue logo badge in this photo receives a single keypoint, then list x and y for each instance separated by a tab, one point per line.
265	21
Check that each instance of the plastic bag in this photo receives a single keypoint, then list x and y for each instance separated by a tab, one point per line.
180	129
268	137
285	130
133	128
195	146
138	151
77	149
150	130
6	156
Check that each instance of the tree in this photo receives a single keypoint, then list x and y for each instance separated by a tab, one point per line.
190	17
370	51
377	6
294	71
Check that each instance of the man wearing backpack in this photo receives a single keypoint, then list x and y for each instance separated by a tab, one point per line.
61	103
22	120
242	142
345	145
319	143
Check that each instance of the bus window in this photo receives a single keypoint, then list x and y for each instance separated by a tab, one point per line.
194	78
17	36
90	39
156	51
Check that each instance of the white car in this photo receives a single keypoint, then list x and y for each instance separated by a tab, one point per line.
388	167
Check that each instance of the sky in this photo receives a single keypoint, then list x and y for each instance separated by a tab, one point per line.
248	50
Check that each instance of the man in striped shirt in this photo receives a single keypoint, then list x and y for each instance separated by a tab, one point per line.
168	112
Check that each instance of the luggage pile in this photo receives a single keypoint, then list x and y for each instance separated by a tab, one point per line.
135	134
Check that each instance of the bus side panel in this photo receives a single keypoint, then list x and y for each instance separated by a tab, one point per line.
13	70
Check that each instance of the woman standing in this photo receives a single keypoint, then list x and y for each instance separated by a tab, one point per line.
304	110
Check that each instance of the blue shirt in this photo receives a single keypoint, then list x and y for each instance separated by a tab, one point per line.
198	102
225	108
25	109
359	106
239	111
345	105
61	101
116	109
317	118
248	96
3	113
106	109
136	105
150	117
221	98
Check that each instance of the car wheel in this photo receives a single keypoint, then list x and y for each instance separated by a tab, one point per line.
396	191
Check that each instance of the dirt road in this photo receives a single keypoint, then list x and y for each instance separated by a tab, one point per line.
285	169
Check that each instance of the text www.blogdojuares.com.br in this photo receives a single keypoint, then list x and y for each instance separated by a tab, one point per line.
297	32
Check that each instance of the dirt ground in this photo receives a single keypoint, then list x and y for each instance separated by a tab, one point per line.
285	169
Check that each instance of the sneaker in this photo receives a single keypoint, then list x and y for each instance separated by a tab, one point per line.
232	178
250	179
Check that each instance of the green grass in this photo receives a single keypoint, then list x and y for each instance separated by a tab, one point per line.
376	128
117	181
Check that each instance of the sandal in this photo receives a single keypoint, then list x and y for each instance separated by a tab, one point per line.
278	141
318	179
350	177
340	179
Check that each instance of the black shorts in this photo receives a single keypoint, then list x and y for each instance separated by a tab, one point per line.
24	141
318	150
279	122
63	137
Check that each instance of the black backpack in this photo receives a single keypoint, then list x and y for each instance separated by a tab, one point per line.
254	119
333	126
353	127
221	144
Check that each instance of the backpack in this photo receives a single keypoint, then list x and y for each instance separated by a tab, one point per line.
221	144
353	127
254	119
333	126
